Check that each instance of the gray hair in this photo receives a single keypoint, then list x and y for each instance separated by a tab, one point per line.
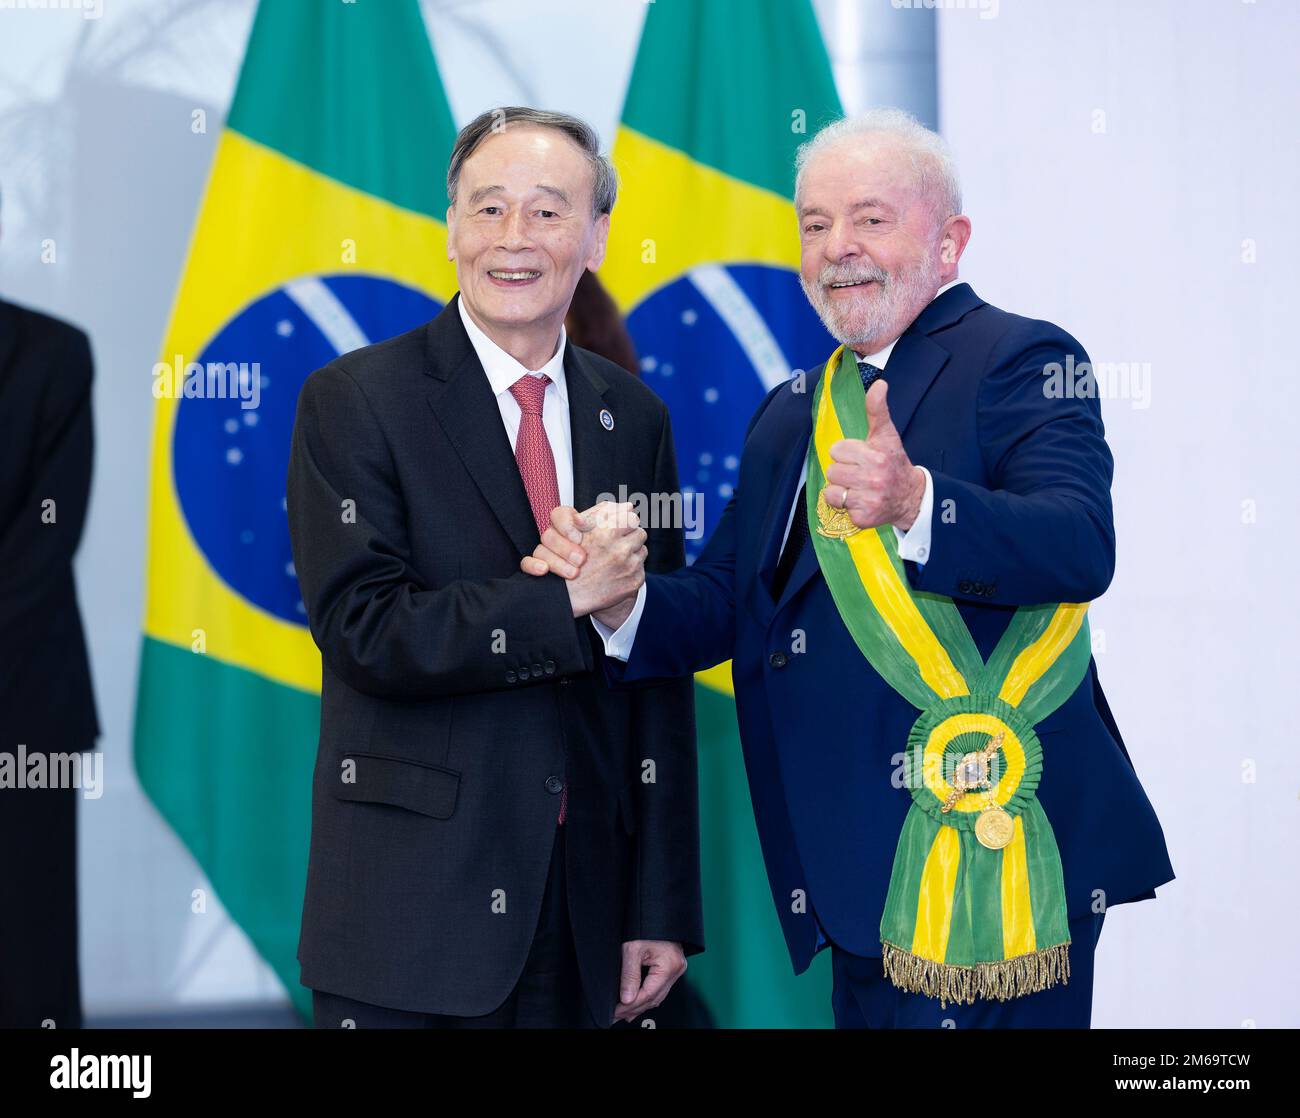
604	181
931	159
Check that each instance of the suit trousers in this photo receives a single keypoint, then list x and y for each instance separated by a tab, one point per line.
548	995
864	998
40	979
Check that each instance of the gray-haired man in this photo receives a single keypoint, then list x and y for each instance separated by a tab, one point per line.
958	476
486	847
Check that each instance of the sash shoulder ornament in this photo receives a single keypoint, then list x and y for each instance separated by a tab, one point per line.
976	902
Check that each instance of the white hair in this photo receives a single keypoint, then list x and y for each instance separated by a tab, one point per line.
932	163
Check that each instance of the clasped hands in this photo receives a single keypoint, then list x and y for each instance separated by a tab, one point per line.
601	552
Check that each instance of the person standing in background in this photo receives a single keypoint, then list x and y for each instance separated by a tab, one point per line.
593	322
47	705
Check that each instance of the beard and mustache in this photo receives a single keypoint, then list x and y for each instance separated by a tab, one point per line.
867	322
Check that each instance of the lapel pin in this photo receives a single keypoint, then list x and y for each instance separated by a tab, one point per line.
606	419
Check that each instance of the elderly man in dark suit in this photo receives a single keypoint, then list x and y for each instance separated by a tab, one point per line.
862	575
47	706
498	839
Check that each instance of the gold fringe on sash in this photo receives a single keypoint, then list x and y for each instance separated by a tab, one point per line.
1010	978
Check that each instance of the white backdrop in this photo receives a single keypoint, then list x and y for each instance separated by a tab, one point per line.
1132	173
1126	228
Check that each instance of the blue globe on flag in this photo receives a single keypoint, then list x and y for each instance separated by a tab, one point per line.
230	462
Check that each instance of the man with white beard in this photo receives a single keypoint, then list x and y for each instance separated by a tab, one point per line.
941	792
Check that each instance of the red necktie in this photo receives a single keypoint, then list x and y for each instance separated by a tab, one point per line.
537	468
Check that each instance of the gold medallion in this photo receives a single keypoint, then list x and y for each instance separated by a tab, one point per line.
833	523
994	828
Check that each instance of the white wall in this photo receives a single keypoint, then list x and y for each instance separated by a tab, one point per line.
1127	229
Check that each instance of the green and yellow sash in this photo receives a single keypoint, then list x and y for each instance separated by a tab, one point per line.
976	904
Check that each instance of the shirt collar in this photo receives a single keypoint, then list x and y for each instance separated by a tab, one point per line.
881	356
503	370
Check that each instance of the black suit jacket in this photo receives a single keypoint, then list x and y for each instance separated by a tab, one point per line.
46	448
46	701
458	691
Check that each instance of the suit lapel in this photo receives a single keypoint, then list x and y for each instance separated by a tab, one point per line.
917	358
806	565
792	437
593	443
789	467
467	411
912	367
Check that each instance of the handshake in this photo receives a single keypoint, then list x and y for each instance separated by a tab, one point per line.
601	552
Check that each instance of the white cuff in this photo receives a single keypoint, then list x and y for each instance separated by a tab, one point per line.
618	643
914	544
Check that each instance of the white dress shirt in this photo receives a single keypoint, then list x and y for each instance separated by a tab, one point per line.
914	544
502	371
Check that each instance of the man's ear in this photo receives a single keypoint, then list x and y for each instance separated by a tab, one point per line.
953	241
597	256
451	227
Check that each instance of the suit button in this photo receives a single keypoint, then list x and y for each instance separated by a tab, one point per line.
537	671
554	785
777	659
549	667
511	677
523	672
988	590
964	586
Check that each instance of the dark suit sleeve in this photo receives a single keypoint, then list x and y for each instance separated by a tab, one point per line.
1043	531
378	627
688	623
667	902
33	548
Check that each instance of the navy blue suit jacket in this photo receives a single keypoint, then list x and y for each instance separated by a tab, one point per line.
1022	515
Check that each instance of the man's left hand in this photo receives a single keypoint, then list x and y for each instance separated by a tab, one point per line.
666	962
882	485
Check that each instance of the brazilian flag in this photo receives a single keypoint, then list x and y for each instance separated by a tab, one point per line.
703	259
321	230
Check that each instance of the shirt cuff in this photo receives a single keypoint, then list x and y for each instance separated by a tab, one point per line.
618	642
914	544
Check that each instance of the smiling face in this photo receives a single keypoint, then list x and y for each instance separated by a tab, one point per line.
874	251
521	232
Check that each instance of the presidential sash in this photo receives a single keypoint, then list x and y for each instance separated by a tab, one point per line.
976	903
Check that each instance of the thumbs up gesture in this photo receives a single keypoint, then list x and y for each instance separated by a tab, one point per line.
873	478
